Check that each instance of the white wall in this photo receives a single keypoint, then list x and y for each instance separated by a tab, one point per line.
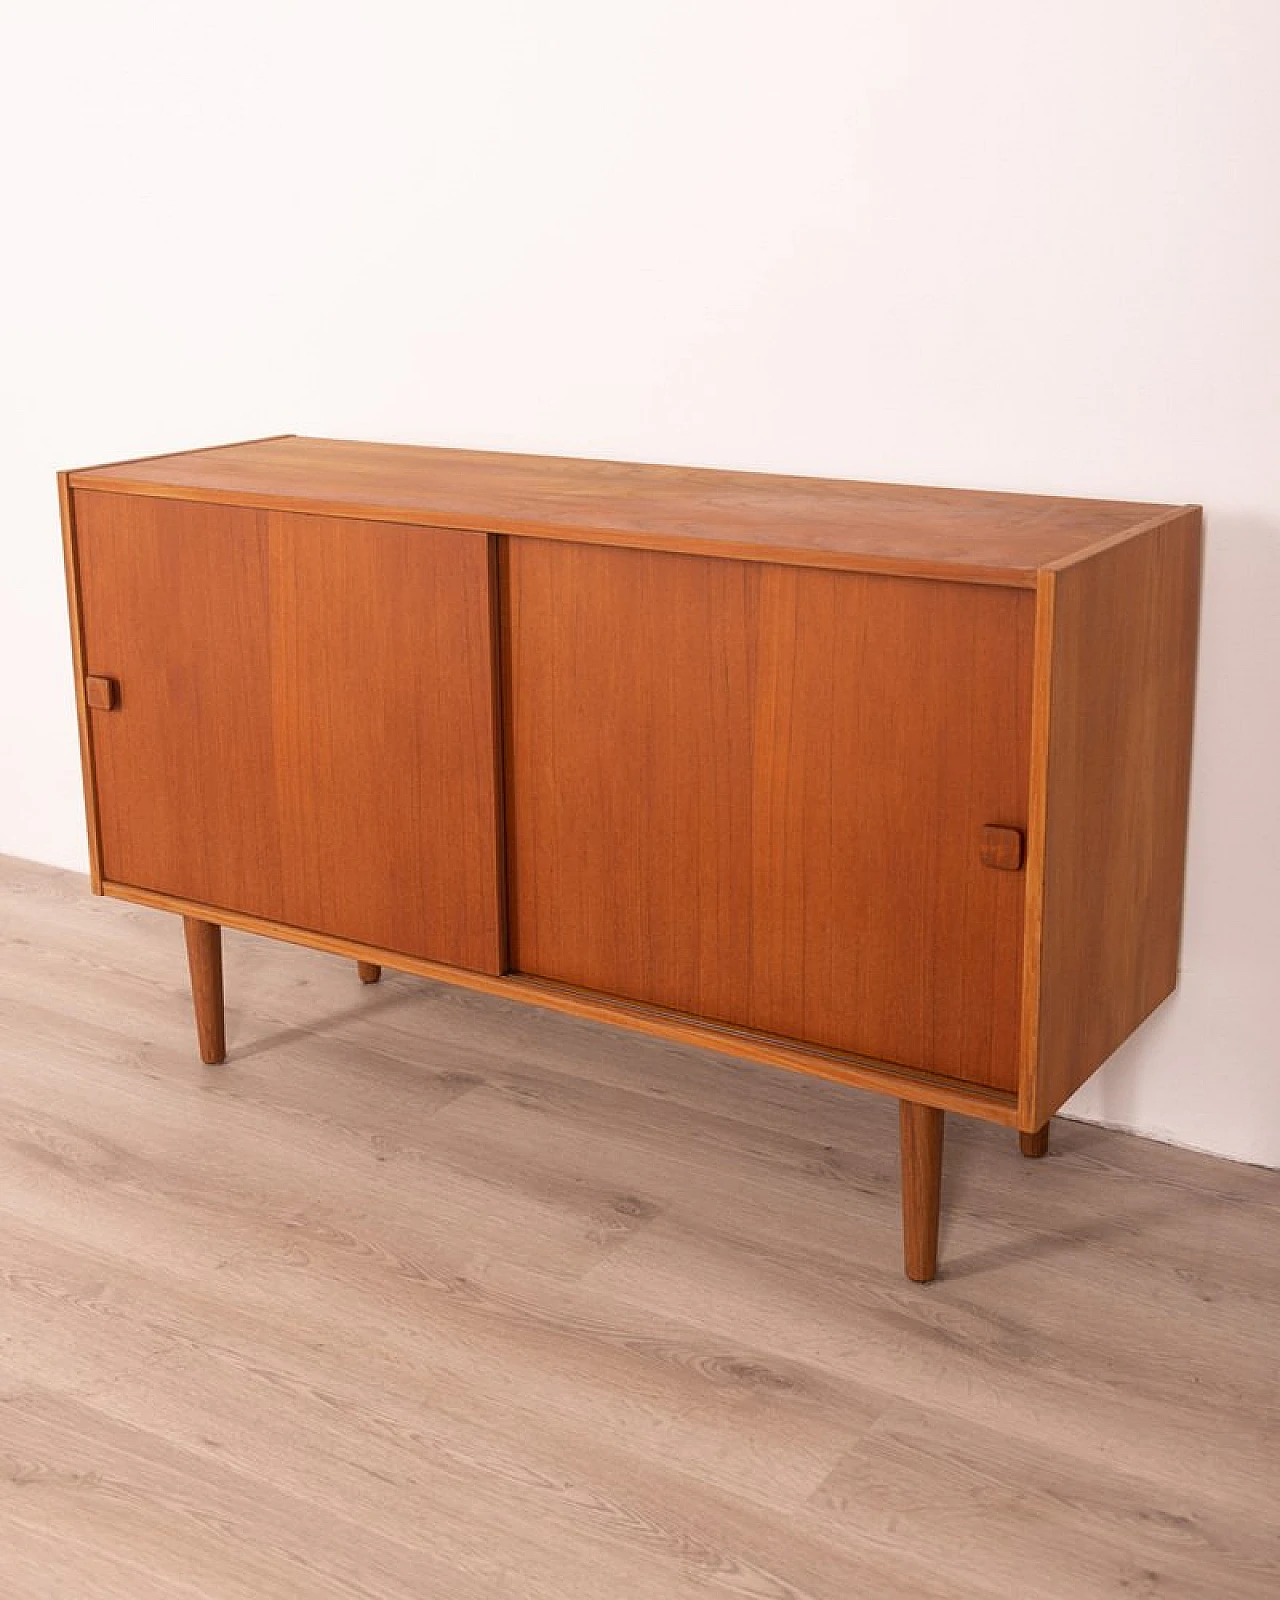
994	244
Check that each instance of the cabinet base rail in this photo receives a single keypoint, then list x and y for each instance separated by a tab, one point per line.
855	1072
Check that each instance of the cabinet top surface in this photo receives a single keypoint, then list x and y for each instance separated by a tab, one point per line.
1002	538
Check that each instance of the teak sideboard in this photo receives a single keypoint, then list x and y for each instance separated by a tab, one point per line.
888	785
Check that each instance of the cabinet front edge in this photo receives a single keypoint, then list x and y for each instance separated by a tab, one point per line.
71	566
1037	837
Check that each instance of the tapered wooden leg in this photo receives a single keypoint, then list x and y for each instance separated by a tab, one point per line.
1035	1144
369	971
920	1131
204	958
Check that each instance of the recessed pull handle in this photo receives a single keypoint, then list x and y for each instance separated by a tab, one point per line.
1002	848
101	694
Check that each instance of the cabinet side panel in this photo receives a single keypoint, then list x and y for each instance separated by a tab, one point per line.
1122	689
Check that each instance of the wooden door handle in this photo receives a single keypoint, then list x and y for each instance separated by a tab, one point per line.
101	694
1002	848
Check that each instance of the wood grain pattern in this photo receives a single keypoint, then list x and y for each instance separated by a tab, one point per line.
204	964
756	795
368	971
1121	691
71	567
289	687
427	1294
176	607
920	1145
1034	852
1001	538
384	729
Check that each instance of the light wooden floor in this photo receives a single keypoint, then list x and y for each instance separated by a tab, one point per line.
423	1294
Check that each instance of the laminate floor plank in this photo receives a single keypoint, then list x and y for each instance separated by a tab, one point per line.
126	1492
523	1357
1019	1358
426	1293
1051	1526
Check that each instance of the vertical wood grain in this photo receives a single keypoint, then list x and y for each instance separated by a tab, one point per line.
383	712
757	794
920	1131
204	961
1118	774
306	722
71	568
177	610
1033	866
